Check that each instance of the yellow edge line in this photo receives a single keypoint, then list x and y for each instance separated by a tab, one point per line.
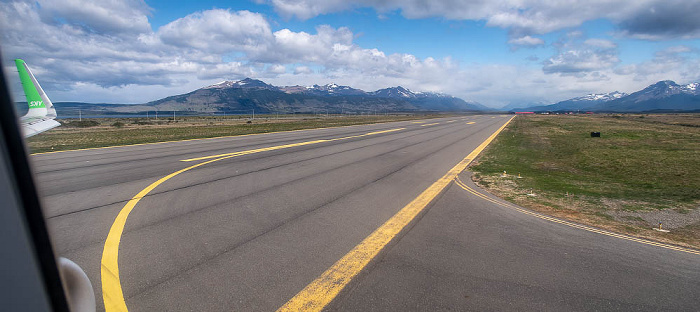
112	293
571	224
431	124
320	292
471	123
272	148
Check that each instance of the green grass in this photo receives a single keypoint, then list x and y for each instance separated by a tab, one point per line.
640	162
655	163
124	131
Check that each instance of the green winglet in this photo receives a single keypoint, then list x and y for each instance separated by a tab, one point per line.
33	98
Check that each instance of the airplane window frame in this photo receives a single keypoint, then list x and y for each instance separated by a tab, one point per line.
20	173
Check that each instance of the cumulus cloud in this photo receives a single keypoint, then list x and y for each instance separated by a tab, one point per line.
677	63
526	41
577	58
99	16
218	31
647	19
664	20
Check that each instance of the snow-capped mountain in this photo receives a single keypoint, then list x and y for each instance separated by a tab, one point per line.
395	92
247	83
667	88
600	97
330	89
664	95
575	104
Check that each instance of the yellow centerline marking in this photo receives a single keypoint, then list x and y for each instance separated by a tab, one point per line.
264	149
112	293
430	124
272	148
320	292
571	224
471	123
212	138
417	122
451	121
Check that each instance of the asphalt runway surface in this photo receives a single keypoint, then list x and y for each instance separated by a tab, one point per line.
252	220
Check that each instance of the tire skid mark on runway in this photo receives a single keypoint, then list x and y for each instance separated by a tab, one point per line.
571	224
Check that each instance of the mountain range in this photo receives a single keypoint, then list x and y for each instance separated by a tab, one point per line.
663	96
248	95
251	94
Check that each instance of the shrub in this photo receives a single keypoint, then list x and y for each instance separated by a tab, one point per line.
82	123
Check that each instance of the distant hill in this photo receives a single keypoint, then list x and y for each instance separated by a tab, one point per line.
663	96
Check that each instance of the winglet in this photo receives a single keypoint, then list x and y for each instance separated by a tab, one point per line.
41	112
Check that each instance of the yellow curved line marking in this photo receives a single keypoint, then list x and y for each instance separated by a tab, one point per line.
571	224
320	292
112	293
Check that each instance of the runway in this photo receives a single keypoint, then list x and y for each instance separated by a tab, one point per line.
246	223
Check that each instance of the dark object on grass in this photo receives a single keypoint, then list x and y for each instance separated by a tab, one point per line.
595	134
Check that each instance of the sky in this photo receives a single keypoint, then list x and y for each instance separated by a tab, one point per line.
495	52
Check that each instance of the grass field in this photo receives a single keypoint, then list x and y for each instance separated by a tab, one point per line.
644	169
100	132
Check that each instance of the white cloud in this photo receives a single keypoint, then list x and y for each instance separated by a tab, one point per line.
100	16
218	31
526	41
277	69
302	70
580	58
600	43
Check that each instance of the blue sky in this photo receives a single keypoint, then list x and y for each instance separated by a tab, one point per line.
494	52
